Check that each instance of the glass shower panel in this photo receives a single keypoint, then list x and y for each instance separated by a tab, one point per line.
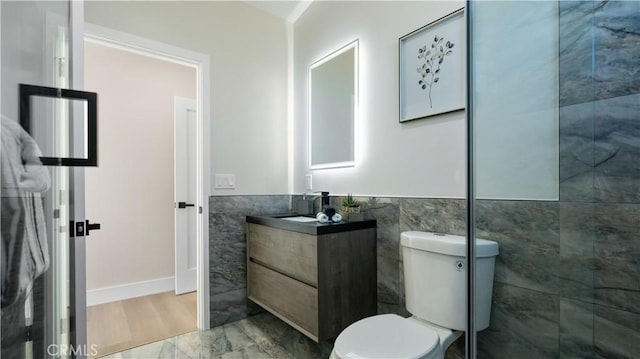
36	210
515	101
555	98
514	109
515	53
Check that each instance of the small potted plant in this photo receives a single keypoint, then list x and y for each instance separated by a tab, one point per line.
350	205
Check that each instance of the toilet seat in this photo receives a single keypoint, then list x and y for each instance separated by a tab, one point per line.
386	336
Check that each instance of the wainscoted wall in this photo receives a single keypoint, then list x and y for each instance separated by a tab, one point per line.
567	279
546	301
227	267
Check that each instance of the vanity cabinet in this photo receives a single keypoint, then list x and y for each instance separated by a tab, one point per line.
317	282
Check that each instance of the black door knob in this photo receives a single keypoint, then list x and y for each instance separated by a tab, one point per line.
92	227
185	205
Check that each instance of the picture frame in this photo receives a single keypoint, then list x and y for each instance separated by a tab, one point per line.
432	64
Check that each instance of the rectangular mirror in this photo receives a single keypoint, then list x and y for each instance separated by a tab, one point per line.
333	103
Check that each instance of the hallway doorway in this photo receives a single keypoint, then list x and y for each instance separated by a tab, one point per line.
131	262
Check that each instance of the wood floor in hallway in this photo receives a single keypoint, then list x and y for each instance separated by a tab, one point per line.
129	323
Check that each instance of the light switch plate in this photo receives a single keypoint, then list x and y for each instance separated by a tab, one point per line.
225	181
308	182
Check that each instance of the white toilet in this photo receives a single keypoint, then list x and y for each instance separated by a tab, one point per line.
434	280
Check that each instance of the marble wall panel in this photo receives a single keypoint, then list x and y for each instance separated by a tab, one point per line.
434	215
617	256
524	324
599	52
227	252
617	149
577	241
576	131
575	55
616	333
576	329
386	213
250	205
599	137
528	236
599	178
616	38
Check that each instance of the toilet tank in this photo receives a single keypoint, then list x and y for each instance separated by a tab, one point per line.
434	278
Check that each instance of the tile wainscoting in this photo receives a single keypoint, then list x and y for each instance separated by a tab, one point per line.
564	269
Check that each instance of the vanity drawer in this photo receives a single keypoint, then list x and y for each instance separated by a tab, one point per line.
292	253
289	299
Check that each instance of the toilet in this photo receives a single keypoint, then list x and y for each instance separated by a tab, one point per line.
434	280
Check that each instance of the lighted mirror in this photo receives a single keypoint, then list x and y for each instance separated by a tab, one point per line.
333	103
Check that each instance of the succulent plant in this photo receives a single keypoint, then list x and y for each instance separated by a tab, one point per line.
349	201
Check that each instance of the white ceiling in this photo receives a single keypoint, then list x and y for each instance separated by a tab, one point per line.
289	10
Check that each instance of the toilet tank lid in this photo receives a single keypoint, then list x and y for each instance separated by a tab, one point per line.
448	244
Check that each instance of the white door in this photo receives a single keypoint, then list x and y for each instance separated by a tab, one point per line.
185	125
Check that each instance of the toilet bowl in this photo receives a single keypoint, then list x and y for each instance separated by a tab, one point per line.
390	336
434	281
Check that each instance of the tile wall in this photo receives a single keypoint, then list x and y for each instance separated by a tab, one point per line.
227	253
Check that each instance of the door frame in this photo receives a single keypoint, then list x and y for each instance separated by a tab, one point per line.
132	43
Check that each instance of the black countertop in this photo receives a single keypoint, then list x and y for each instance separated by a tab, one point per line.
313	228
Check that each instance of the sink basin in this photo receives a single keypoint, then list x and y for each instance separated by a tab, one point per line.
300	223
299	219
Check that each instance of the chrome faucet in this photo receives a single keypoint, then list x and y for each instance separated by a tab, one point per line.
313	196
324	194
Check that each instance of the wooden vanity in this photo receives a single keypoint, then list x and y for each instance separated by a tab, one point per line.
319	278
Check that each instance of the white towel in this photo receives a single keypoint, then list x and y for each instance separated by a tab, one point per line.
24	251
336	218
322	218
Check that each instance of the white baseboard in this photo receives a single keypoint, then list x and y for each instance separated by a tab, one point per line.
130	290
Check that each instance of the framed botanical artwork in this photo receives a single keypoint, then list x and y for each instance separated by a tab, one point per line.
433	68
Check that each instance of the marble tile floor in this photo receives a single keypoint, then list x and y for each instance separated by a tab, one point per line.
257	337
